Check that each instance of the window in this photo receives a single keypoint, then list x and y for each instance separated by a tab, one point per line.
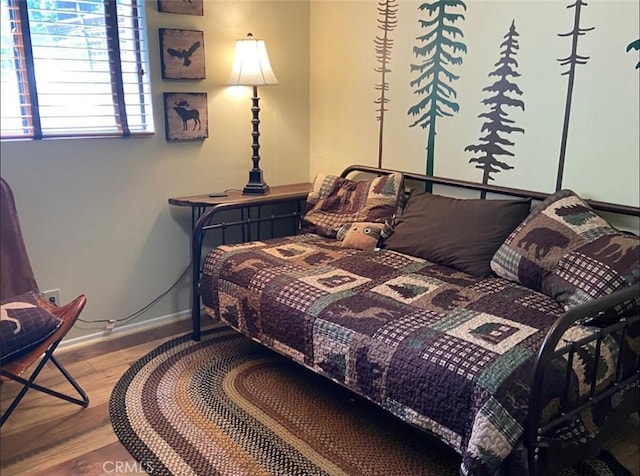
74	68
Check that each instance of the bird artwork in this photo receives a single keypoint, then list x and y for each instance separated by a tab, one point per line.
184	55
179	60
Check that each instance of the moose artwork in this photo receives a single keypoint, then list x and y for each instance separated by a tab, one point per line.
186	116
182	54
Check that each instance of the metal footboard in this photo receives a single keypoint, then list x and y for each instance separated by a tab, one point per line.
556	347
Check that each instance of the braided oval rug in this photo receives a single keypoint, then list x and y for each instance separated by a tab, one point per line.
228	406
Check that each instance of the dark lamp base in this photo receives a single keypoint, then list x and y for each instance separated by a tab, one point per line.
256	185
255	189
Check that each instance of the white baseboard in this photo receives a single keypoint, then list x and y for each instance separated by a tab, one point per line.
125	329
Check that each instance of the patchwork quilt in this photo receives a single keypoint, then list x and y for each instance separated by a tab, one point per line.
442	350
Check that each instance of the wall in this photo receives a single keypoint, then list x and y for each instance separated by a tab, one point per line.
523	38
94	212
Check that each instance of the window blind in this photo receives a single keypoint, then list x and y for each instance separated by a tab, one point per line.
74	68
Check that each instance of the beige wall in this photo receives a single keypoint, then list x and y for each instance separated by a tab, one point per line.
94	212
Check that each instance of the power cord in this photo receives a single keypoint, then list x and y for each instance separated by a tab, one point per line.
144	308
224	194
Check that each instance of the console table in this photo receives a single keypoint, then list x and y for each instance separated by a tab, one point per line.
278	194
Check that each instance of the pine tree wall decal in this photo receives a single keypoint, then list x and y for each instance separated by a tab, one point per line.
497	122
572	60
387	22
439	52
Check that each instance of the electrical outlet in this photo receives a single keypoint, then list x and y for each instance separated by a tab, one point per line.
53	296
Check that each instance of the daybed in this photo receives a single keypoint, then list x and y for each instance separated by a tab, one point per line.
510	331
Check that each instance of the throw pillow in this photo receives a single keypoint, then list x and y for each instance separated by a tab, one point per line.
335	201
461	233
24	325
363	235
565	250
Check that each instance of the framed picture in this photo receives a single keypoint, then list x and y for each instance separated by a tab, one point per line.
186	116
182	54
183	7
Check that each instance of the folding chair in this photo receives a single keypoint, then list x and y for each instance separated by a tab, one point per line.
17	279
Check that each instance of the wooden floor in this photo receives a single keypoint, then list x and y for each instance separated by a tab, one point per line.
47	436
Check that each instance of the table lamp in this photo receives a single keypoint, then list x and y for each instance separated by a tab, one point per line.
251	67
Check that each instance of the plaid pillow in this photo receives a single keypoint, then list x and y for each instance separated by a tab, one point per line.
568	252
335	201
23	326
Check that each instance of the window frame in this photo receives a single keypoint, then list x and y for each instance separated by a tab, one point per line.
25	69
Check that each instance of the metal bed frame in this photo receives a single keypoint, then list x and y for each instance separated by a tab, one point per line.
542	452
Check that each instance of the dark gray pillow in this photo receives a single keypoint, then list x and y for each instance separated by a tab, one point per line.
461	233
23	326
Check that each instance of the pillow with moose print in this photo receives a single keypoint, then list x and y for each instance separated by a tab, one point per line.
23	326
565	250
335	201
